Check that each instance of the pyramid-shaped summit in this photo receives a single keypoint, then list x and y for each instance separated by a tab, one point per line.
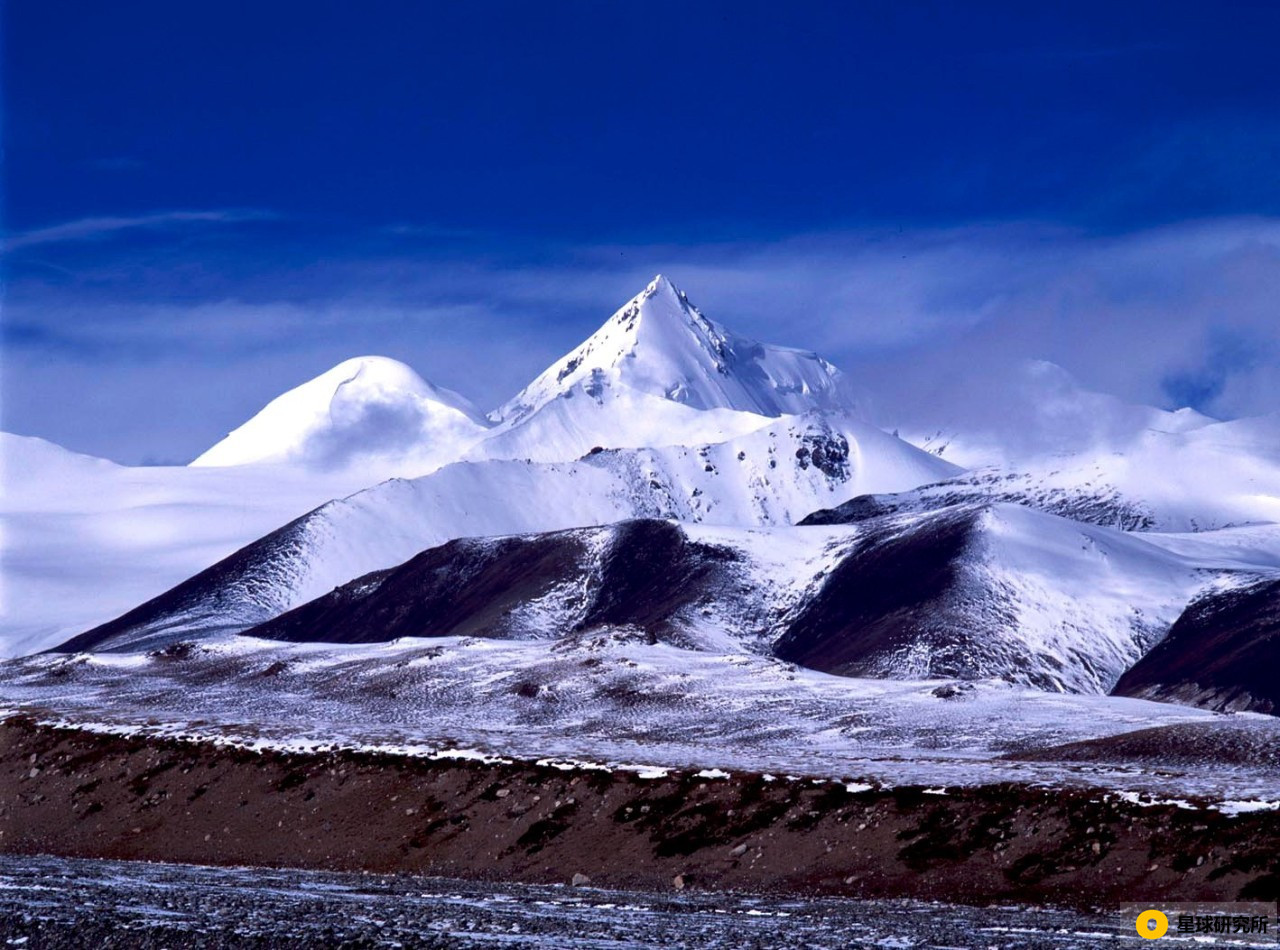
659	344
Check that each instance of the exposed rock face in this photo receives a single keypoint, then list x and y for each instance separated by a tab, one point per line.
1222	653
828	454
1100	504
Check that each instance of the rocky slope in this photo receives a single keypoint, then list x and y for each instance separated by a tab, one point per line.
1221	653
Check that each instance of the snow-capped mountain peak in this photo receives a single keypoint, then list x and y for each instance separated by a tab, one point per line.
365	409
658	344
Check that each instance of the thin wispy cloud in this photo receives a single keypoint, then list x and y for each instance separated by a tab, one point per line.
96	228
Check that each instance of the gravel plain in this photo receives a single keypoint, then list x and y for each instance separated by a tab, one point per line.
60	903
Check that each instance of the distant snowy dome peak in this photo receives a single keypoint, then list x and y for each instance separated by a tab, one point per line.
367	409
1031	413
658	344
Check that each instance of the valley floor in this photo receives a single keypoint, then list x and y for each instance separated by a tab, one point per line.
600	790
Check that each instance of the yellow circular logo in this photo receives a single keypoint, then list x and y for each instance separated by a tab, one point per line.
1152	924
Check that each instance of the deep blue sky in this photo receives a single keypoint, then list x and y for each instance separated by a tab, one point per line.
218	200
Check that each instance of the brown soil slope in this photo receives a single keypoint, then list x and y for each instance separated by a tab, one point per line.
70	792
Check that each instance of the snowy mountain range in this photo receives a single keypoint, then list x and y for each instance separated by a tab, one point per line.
670	480
656	373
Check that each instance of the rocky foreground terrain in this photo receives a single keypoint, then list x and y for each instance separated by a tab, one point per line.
66	904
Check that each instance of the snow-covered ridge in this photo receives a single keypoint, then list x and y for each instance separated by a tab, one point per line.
971	592
1203	476
773	476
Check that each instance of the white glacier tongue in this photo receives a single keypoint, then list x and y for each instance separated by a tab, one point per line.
370	411
659	345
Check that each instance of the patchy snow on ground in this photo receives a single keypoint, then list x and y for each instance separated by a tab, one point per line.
606	699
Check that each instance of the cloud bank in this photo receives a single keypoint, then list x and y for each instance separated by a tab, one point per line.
1182	314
